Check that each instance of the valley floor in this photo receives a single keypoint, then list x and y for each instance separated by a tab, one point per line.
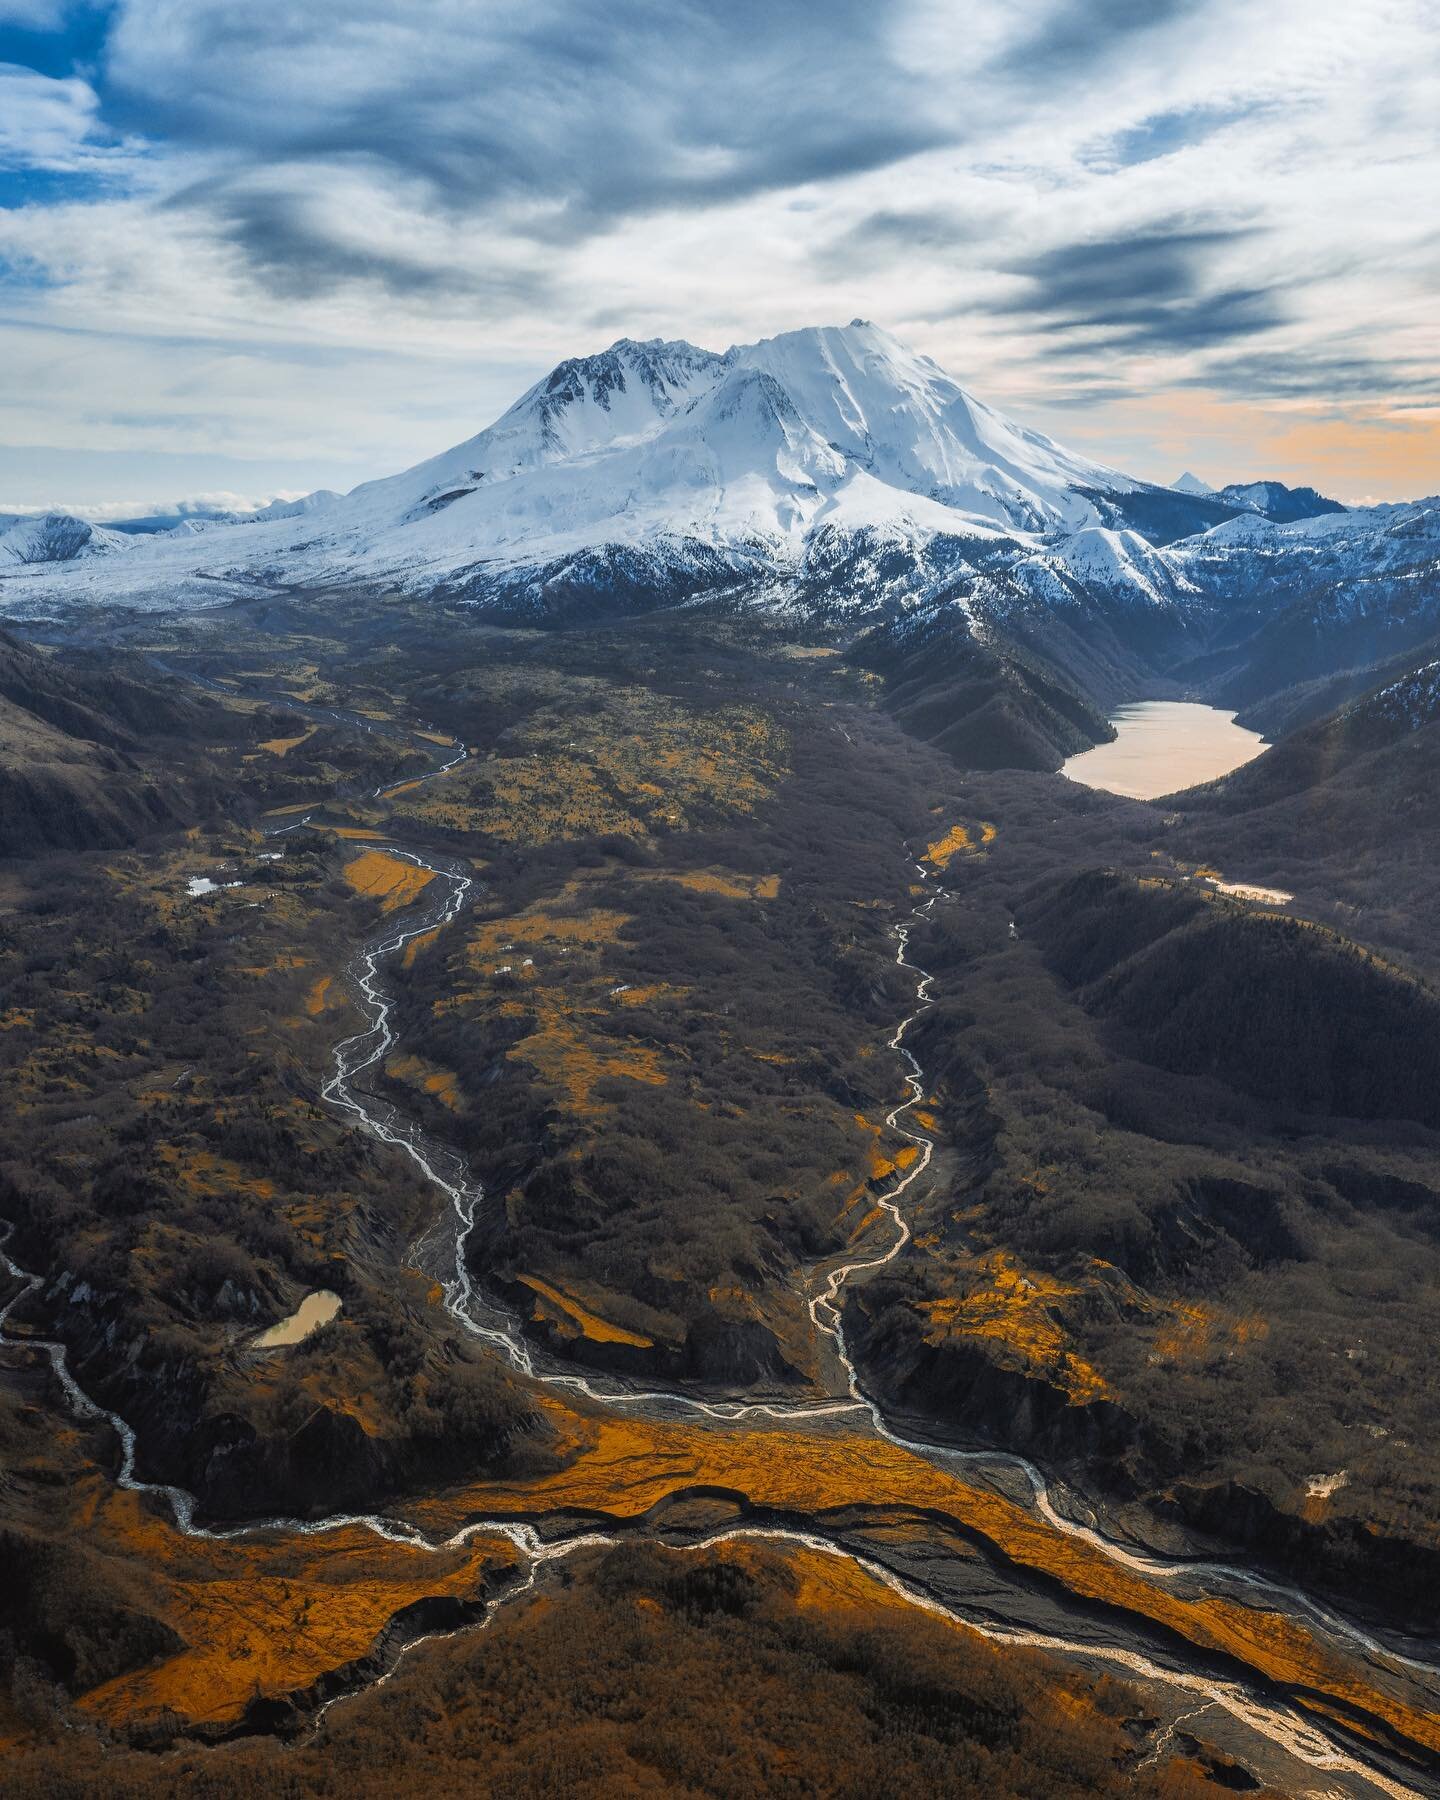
1072	1478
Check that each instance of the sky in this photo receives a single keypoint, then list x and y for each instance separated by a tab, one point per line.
254	249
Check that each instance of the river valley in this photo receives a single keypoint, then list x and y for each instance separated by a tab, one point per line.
1150	1602
1285	1683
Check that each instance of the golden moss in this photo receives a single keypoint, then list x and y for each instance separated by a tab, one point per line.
725	883
536	927
428	1077
632	1464
573	1061
587	1323
624	763
940	854
389	879
1016	1307
267	1617
416	945
202	1172
283	746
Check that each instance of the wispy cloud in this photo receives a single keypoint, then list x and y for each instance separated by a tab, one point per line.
1069	204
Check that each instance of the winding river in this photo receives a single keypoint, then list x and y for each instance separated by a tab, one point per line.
442	1253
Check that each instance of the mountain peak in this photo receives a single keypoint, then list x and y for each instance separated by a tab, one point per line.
660	445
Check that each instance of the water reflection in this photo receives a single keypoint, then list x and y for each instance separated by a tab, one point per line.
1165	745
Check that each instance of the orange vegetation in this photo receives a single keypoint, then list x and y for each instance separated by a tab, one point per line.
634	1464
631	761
535	926
202	1172
589	1324
940	853
389	879
726	883
1015	1307
283	746
416	945
414	1070
648	993
574	1062
1193	1331
880	1166
319	996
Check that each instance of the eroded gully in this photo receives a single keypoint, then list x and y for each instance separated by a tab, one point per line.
1258	1713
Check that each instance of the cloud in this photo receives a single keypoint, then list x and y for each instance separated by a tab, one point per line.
893	234
298	238
1071	39
591	111
1322	375
106	512
1162	134
1153	290
45	123
1070	204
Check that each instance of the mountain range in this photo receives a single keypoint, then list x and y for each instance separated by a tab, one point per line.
835	476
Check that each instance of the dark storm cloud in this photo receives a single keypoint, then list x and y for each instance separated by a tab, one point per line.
570	116
292	254
1318	375
1154	291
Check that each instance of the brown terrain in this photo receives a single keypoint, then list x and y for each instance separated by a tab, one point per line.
658	1033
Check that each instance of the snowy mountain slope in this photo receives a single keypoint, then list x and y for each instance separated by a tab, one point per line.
902	418
1278	502
1297	603
1289	557
1122	563
199	523
54	538
767	460
825	471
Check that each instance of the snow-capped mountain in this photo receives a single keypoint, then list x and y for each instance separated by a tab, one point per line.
662	465
1191	484
53	538
825	472
196	524
1298	600
1276	501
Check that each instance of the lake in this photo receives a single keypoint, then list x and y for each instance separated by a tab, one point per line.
314	1310
1162	746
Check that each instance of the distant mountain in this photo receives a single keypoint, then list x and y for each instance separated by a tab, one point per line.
1347	805
1298	603
1191	484
1276	501
53	538
194	520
